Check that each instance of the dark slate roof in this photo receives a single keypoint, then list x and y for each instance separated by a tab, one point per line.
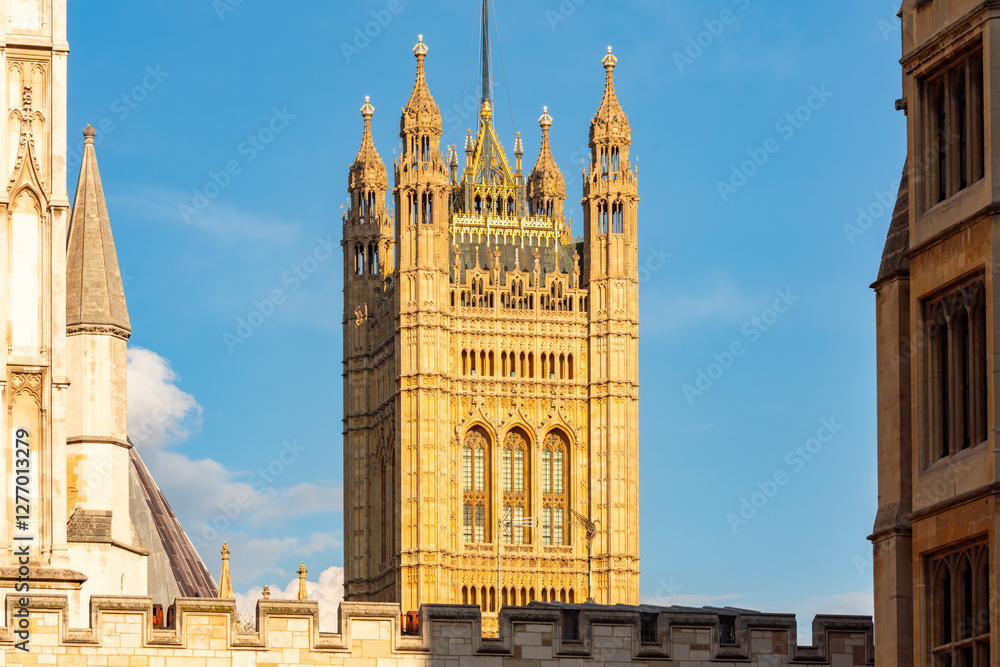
897	241
551	256
189	572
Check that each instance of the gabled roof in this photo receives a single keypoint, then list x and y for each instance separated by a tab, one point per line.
176	569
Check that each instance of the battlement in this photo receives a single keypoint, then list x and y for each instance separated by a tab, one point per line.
205	633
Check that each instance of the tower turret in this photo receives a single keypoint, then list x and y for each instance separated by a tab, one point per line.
100	529
546	186
610	199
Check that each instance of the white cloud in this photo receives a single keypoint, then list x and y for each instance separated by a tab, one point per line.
217	504
158	411
328	591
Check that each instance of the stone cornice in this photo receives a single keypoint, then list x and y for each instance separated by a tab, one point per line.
98	440
98	330
944	506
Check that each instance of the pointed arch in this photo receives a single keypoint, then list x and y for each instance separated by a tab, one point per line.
555	474
476	484
516	476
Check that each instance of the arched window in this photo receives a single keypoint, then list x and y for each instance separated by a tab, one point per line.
475	486
515	473
555	459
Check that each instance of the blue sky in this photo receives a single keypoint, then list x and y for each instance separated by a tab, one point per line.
773	265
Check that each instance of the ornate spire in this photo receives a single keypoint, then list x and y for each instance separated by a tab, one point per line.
421	111
95	297
226	582
368	168
610	116
487	93
546	185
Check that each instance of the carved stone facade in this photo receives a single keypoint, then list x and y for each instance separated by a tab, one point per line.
490	368
935	535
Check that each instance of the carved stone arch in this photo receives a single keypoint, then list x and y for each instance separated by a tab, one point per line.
557	421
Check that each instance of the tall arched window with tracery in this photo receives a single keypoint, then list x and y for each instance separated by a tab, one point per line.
555	500
475	486
515	473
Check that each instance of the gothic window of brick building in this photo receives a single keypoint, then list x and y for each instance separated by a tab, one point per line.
555	454
959	607
475	484
952	130
956	393
515	471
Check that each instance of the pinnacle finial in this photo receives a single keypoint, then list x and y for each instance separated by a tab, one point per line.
610	60
89	132
302	582
368	110
226	582
546	120
420	50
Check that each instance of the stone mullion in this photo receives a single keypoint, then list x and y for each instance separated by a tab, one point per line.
951	380
935	397
973	371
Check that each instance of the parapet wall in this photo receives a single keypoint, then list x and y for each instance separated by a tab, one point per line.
205	635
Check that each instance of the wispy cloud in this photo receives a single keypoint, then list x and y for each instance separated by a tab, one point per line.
671	312
691	600
222	222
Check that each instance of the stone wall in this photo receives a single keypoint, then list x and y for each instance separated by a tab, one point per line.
205	635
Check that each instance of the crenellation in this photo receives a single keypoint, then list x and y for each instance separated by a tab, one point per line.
607	635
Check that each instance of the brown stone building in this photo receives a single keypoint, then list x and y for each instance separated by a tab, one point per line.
935	535
490	367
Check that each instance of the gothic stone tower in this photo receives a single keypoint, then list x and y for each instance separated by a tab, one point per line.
935	535
490	368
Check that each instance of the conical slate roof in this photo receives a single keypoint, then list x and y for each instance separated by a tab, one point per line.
95	297
897	240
